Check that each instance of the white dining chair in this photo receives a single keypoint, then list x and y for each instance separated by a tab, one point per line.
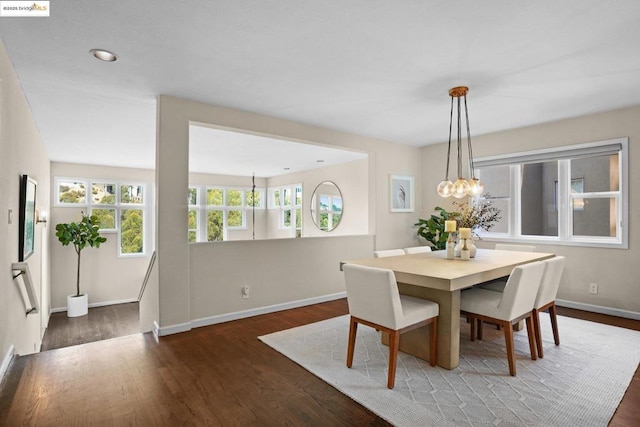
546	299
417	250
498	284
388	252
506	308
374	300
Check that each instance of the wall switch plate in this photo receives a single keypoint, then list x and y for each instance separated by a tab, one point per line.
10	216
245	292
593	288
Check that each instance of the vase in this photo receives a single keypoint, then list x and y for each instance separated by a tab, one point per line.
77	305
472	248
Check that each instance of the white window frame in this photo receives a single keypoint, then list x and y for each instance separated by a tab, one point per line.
202	209
293	206
563	156
89	206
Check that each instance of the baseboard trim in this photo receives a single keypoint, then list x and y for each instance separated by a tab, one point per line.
599	309
98	304
172	329
6	361
228	317
212	320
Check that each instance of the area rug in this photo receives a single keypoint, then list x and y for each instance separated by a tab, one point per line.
579	383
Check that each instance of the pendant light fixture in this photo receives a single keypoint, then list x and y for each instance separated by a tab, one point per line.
462	187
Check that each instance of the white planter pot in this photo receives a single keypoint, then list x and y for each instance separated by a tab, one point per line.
77	305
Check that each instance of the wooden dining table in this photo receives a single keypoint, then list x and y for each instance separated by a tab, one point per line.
433	277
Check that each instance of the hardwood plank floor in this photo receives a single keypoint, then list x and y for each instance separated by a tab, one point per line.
216	375
100	323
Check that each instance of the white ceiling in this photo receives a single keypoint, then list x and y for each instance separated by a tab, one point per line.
372	67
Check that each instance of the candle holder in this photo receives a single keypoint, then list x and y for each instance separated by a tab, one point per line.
465	255
451	246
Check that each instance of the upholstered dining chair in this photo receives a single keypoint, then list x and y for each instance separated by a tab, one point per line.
388	252
546	299
374	300
417	250
506	308
498	284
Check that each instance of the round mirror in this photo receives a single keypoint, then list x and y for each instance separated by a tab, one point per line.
326	206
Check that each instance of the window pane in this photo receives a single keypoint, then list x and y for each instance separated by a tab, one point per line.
286	220
106	217
192	196
298	218
335	219
597	217
192	236
193	219
103	194
502	225
72	192
234	218
131	194
324	221
131	226
337	204
324	203
214	197
496	180
234	197
253	199
276	197
599	173
287	197
214	226
298	196
539	216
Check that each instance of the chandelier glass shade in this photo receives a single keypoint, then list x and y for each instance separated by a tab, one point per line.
462	187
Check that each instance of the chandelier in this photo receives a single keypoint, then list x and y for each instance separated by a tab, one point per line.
462	187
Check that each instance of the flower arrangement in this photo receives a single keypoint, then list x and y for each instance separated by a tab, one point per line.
479	215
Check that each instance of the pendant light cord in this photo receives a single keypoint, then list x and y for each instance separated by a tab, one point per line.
471	165
449	150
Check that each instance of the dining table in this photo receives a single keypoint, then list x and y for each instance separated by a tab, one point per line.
432	276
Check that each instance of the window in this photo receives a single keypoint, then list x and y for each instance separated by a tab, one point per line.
119	206
330	211
288	200
223	209
574	195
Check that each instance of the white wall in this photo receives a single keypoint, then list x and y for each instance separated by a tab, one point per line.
104	276
21	152
174	267
616	271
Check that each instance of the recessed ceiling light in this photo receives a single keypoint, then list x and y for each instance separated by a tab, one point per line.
320	161
104	55
287	169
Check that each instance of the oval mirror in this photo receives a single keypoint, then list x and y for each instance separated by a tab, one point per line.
326	206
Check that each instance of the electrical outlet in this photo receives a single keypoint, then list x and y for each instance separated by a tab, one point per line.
245	292
593	288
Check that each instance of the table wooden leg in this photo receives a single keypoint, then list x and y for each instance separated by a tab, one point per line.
415	342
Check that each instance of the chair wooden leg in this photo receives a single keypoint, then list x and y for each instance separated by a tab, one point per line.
480	329
394	343
535	314
554	322
532	337
508	339
353	328
433	357
473	327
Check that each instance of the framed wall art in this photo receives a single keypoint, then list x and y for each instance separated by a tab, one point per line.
401	193
27	217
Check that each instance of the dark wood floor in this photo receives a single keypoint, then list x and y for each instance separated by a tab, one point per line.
216	375
99	324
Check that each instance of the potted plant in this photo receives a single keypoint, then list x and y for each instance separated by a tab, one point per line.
81	234
432	229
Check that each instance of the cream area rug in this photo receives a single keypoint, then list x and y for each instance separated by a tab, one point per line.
579	383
